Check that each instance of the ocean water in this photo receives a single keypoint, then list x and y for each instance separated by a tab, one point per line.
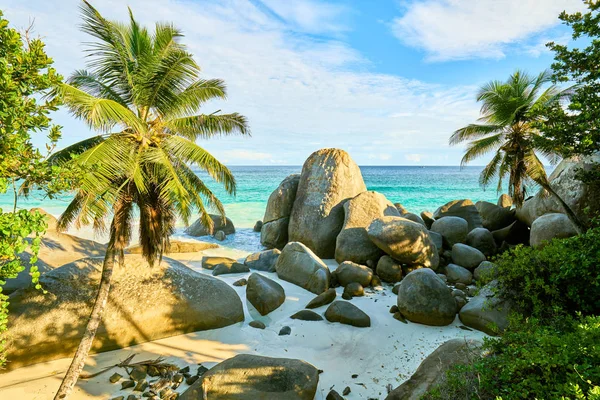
416	188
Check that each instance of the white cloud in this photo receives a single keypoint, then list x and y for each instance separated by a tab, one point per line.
464	29
311	16
415	158
298	93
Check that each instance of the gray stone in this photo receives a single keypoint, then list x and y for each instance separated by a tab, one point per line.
405	241
485	272
333	395
424	298
329	177
323	299
428	218
307	315
460	302
234	268
257	324
551	226
486	312
240	282
466	256
219	224
457	274
220	236
299	265
179	300
353	289
453	229
414	218
274	234
432	371
264	294
250	377
353	243
482	240
438	240
257	226
347	313
348	272
464	209
285	331
495	217
389	270
263	261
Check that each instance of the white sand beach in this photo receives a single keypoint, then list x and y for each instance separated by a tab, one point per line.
386	353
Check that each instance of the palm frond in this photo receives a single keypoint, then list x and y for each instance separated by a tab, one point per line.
477	148
473	131
209	126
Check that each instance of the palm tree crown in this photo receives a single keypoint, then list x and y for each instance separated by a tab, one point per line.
142	91
509	113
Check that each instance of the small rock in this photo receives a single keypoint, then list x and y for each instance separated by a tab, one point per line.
395	289
472	290
460	286
460	302
307	315
398	315
349	272
354	289
165	393
323	299
347	313
389	270
184	370
153	371
258	226
201	370
393	309
127	384
141	386
458	292
115	378
443	277
178	378
333	395
257	324
240	282
234	268
191	379
346	391
371	264
132	397
354	376
286	330
375	281
220	236
138	373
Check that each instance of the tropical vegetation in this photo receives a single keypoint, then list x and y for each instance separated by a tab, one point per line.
144	93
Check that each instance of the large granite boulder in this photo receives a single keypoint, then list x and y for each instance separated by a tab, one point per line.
453	229
467	256
432	370
486	312
263	260
483	240
464	209
347	313
423	297
56	249
250	377
551	226
493	216
582	198
264	294
389	270
219	224
348	272
457	274
353	243
299	265
51	220
404	240
329	178
144	304
274	231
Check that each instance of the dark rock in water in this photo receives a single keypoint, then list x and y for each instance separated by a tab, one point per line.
250	377
347	313
274	234
127	384
353	289
329	177
257	324
263	261
299	265
307	315
389	270
258	226
333	395
235	268
219	224
322	299
464	209
182	301
240	282
424	298
286	330
220	236
348	272
264	294
432	370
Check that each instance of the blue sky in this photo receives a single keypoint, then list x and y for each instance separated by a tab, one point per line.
387	80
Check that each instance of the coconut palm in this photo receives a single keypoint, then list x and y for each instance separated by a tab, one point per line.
142	91
507	127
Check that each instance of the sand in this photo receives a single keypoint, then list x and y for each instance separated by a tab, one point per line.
385	354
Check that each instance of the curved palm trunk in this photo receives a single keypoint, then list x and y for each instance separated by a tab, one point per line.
579	226
85	345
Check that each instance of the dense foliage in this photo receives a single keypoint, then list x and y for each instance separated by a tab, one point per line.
552	347
26	77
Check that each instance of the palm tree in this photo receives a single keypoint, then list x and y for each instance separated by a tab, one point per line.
143	93
507	127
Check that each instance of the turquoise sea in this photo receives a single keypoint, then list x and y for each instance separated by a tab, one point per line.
416	188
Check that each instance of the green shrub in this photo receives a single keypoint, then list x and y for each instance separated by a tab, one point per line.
561	278
533	360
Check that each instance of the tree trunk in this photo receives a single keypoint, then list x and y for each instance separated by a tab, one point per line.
579	226
85	345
